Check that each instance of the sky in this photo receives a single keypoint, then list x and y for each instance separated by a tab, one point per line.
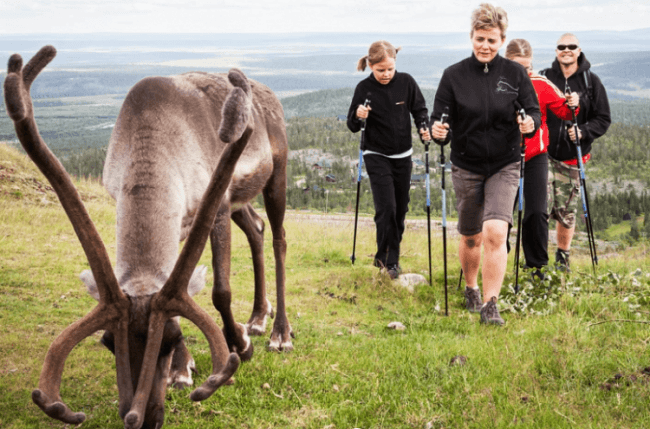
289	16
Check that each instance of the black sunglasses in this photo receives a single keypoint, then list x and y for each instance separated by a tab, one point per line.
571	47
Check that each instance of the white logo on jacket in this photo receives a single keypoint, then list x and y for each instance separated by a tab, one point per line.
504	86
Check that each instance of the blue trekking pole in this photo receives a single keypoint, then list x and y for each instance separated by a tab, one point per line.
583	191
443	119
522	114
356	211
426	165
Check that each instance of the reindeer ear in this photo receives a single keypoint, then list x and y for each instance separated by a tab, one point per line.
197	282
237	109
87	277
239	80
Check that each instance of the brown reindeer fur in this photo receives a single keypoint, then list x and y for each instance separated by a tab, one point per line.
187	153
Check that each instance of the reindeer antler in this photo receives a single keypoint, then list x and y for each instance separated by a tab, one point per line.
112	310
173	298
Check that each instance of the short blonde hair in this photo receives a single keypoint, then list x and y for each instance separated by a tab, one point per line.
519	48
377	53
487	16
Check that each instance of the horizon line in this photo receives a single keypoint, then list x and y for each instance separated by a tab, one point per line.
171	34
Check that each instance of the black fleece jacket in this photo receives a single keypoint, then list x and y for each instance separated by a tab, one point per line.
593	119
482	113
388	127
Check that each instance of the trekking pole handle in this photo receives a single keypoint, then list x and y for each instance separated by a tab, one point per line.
424	126
444	118
520	110
567	91
522	114
363	121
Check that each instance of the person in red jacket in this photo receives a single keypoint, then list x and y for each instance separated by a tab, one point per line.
535	223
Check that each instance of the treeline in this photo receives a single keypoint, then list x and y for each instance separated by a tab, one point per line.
615	207
86	163
623	154
310	189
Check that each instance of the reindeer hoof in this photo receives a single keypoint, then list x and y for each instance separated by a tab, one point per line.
247	354
279	343
242	344
257	323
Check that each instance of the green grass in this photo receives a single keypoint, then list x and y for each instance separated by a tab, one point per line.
348	370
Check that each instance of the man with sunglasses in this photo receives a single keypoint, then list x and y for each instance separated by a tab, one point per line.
571	70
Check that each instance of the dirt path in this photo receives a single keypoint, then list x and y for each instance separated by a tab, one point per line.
344	220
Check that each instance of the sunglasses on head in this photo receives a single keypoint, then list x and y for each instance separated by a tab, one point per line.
564	47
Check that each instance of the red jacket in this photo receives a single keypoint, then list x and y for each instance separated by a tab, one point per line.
549	97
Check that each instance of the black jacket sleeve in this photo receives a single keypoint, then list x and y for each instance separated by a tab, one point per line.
598	117
528	100
444	99
354	123
418	107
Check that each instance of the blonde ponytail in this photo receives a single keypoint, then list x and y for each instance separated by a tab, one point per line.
377	53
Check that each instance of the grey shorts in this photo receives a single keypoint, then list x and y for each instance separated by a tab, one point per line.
480	198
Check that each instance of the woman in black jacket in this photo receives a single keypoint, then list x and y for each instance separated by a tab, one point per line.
483	94
387	146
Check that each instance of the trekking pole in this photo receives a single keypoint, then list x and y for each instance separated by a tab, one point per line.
583	191
443	120
356	211
522	114
428	186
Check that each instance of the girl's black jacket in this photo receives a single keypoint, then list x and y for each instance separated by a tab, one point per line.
482	112
388	127
594	117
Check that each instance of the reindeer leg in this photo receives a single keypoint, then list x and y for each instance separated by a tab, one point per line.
275	201
182	365
235	333
253	226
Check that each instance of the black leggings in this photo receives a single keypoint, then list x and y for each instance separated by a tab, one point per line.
535	223
390	181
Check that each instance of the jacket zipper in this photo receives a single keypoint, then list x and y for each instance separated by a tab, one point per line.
487	110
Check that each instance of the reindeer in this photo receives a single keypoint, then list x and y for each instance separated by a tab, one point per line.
187	153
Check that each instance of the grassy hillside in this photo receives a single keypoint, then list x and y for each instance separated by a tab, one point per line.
21	180
573	353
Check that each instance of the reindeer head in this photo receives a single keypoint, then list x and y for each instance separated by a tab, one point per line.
140	330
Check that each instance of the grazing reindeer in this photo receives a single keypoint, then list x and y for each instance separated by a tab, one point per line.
169	136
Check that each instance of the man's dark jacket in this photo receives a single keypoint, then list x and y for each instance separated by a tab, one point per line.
594	117
388	127
482	102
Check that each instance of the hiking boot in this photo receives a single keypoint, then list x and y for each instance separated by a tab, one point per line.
473	299
562	260
490	313
393	271
378	263
535	272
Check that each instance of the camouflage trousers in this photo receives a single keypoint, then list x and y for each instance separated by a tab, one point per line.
563	192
